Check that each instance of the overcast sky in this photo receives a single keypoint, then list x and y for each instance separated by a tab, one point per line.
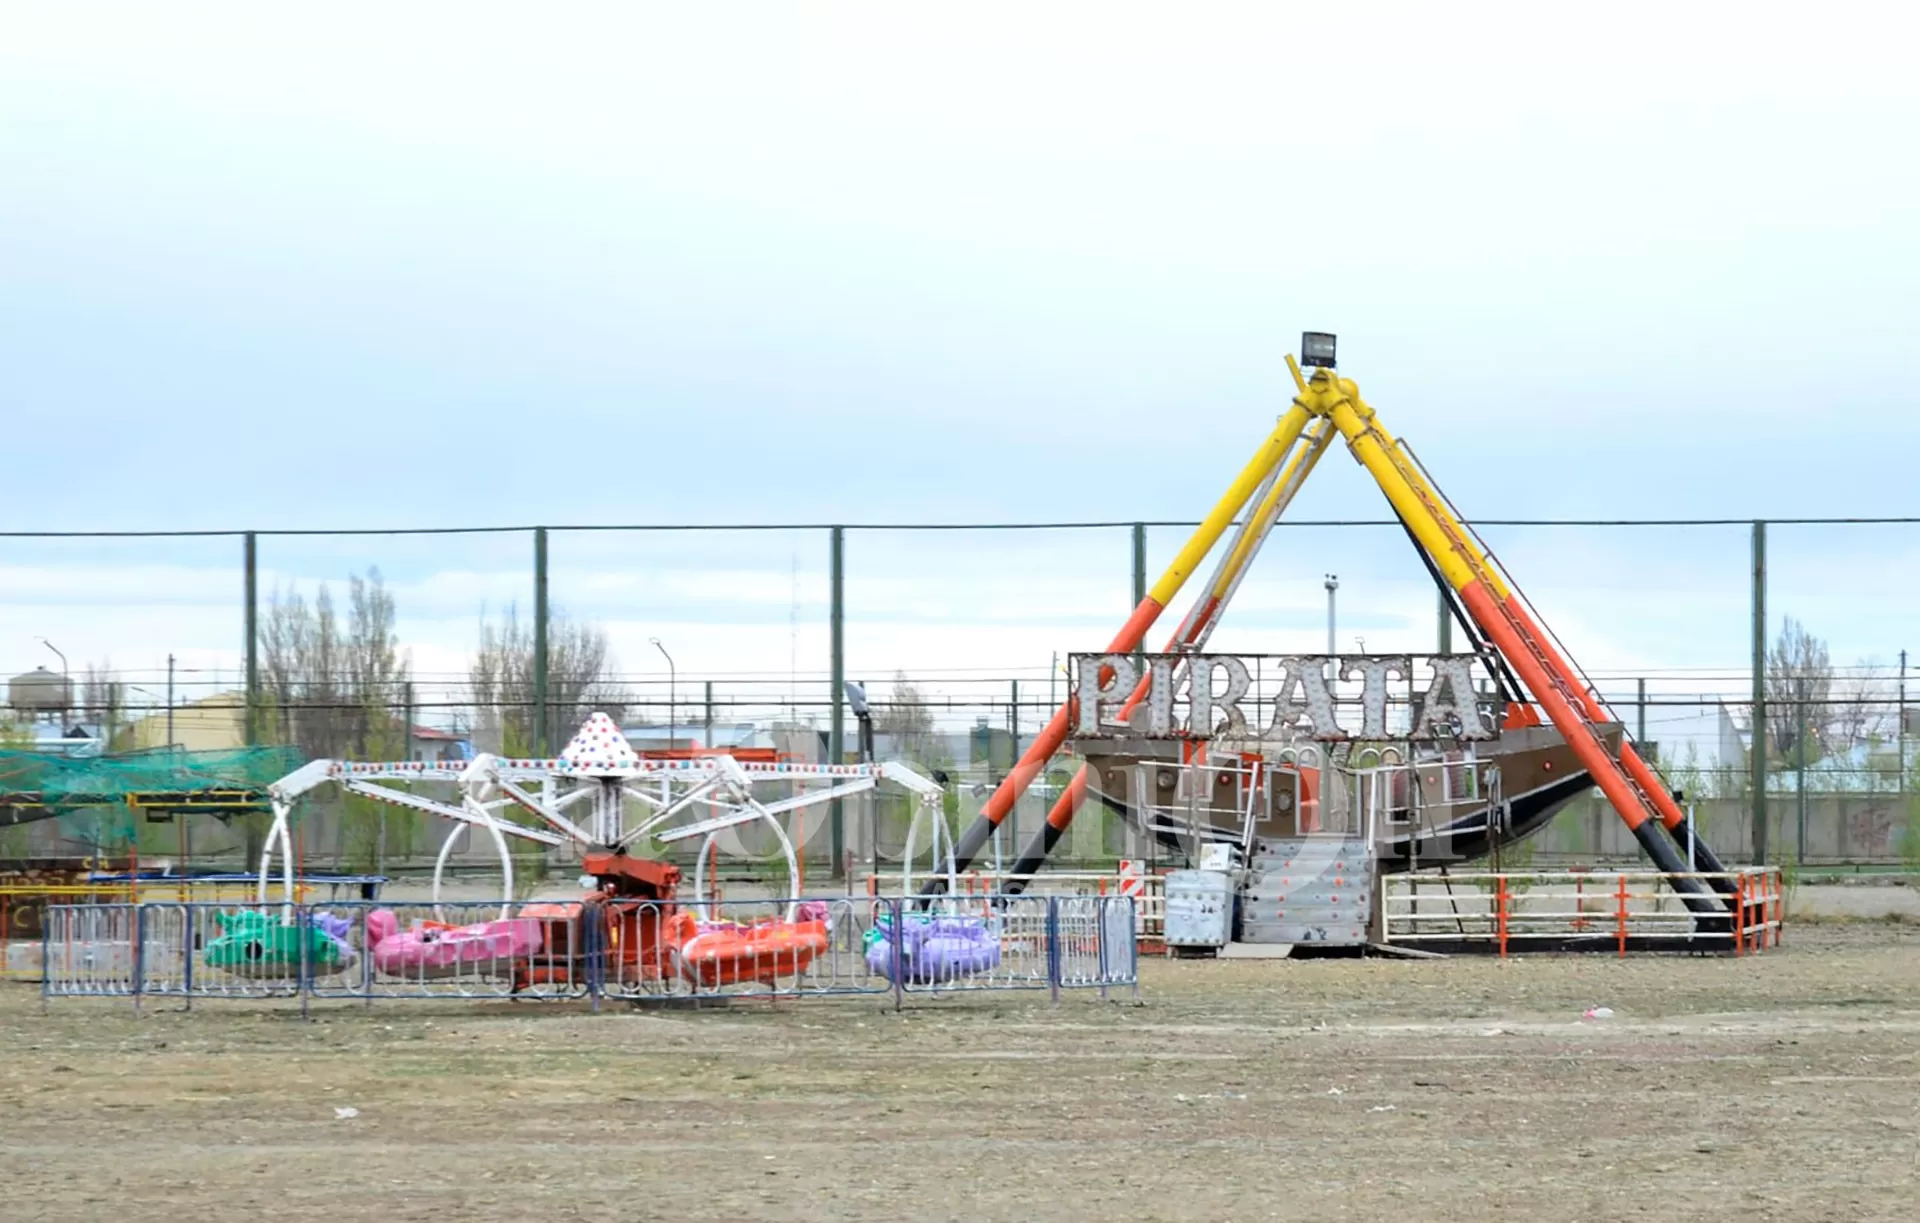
429	265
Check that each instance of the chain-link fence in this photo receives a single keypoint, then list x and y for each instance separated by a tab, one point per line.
429	645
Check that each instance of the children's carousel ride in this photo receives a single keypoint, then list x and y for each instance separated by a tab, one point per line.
612	807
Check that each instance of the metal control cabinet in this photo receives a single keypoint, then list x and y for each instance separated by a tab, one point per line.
1199	908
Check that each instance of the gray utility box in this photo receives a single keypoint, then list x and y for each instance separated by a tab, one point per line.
1308	890
1199	908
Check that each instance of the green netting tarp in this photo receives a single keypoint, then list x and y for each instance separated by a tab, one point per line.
57	782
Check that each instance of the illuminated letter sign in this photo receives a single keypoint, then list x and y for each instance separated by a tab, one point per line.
1206	696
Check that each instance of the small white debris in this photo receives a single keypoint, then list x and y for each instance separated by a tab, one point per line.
1381	1108
345	1114
1598	1012
1335	1091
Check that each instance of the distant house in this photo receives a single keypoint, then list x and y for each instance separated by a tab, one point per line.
1860	767
695	735
210	724
67	738
435	746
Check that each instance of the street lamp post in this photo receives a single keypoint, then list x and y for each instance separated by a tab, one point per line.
66	673
1333	667
151	696
672	683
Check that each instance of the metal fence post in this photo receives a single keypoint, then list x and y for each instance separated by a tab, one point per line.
1053	947
1013	719
1139	579
250	559
1758	761
1139	563
139	949
540	612
302	930
1900	730
591	939
187	948
366	957
895	915
1133	945
837	648
1101	927
1800	772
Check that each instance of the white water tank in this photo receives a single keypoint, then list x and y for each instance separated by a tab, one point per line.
40	691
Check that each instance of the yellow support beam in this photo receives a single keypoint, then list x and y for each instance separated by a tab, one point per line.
1297	470
1420	506
1271	454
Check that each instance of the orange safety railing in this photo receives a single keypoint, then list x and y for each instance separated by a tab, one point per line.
1500	901
1510	912
1740	921
1620	914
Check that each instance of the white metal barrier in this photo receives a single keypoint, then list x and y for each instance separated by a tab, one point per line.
92	949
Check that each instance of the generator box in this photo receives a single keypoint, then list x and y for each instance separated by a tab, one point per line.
1199	908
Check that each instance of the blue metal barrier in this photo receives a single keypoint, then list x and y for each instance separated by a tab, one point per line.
625	951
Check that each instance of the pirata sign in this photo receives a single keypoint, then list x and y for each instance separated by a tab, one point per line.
1327	698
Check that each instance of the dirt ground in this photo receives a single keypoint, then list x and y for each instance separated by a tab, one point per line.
1888	898
1782	1087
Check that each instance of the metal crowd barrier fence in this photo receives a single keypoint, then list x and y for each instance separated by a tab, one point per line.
595	949
23	907
93	950
1148	890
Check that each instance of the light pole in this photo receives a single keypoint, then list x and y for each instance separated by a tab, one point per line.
1900	729
150	696
66	675
1333	667
672	683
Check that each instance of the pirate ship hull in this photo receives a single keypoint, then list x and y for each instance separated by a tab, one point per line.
1463	811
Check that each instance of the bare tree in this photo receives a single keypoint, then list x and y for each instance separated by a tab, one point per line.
376	671
1860	714
334	691
101	697
906	716
579	682
1799	682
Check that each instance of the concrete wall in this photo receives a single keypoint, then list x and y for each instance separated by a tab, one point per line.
1839	828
